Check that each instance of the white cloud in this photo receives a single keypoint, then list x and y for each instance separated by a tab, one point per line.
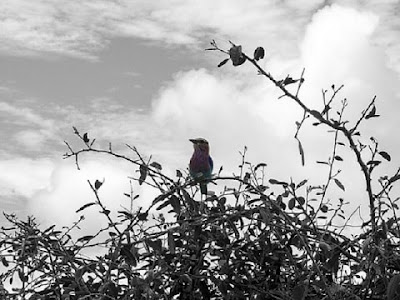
68	190
339	39
386	35
344	52
24	176
226	112
230	111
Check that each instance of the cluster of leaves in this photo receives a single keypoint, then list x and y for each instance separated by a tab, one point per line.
246	243
259	238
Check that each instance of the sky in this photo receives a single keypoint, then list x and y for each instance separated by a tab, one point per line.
136	72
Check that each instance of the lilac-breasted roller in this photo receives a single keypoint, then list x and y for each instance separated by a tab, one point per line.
201	163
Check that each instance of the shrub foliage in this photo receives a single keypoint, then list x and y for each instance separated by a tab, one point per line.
259	238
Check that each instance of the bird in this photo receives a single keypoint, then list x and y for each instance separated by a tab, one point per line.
201	164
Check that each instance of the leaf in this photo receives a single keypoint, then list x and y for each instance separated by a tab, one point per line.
289	80
233	227
155	245
85	238
339	184
299	292
159	198
112	289
49	229
85	206
394	178
373	163
223	62
385	155
171	243
324	208
175	203
129	253
142	216
4	261
163	205
302	183
325	247
179	173
393	287
97	184
264	215
106	212
259	53
204	290
337	157
236	55
246	177
274	181
301	153
126	214
316	114
372	113
259	166
292	203
85	138
22	276
156	165
301	200
143	174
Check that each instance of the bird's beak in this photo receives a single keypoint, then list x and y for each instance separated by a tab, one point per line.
193	141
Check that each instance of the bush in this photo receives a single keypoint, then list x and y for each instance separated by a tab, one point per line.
261	238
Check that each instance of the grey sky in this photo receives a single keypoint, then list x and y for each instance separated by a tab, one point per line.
130	71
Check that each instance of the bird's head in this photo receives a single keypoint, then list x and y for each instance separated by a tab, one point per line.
200	144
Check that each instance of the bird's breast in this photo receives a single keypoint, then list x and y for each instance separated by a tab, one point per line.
200	163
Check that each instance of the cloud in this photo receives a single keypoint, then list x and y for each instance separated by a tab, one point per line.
231	112
225	111
226	106
28	128
345	48
68	190
84	29
24	176
32	28
24	115
345	53
387	31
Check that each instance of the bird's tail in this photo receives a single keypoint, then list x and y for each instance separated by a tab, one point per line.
203	188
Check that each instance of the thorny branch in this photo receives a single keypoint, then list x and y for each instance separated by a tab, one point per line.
337	125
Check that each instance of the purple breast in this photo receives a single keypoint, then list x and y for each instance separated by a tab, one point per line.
199	163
